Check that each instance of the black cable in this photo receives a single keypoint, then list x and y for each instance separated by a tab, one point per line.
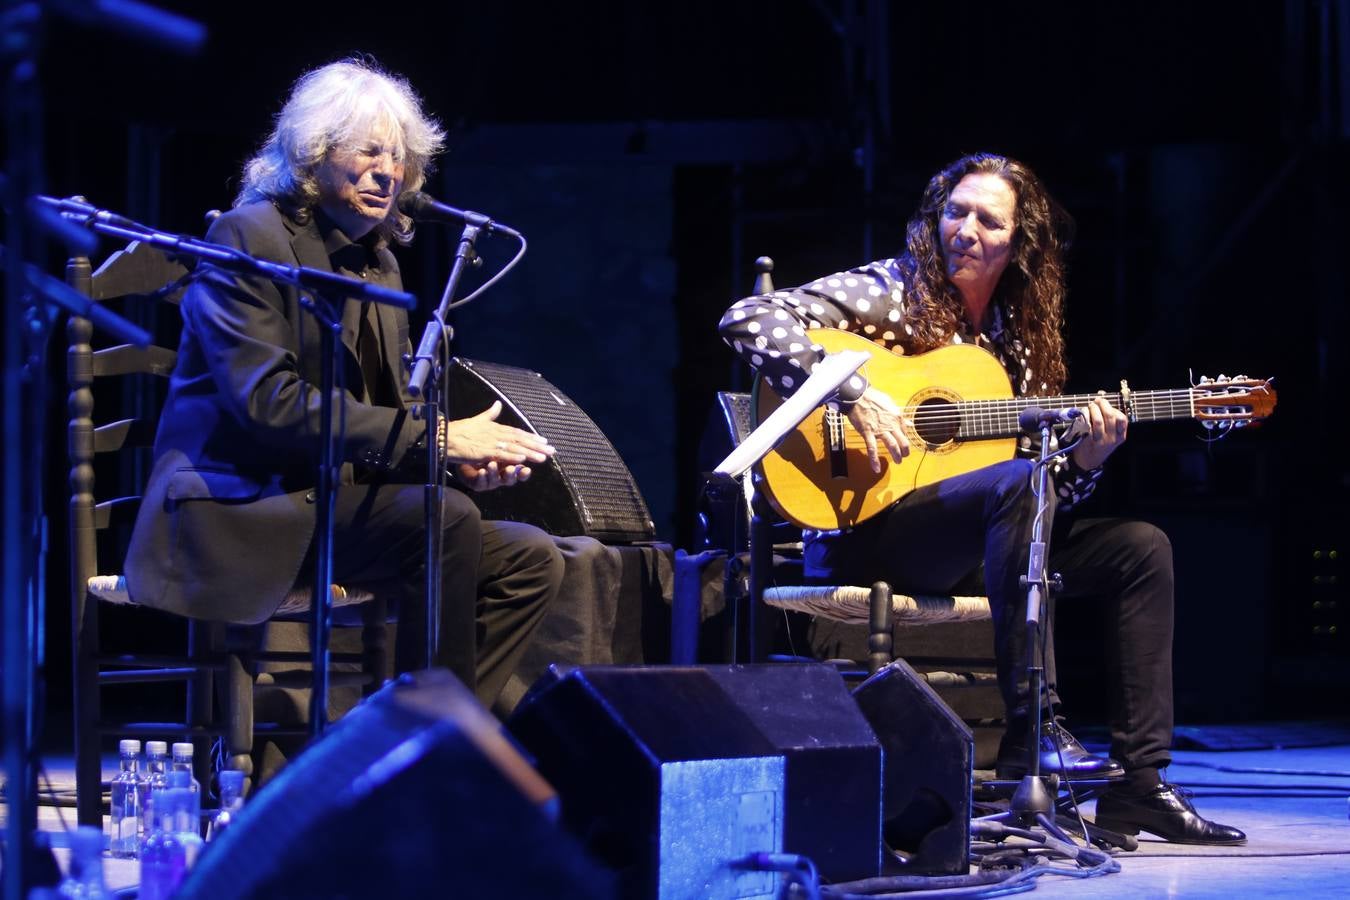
442	466
495	278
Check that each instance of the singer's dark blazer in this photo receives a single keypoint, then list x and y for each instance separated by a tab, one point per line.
229	513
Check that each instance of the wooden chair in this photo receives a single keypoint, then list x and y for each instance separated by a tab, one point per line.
948	639
219	664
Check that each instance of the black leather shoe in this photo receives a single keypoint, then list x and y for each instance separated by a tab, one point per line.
1165	811
1056	742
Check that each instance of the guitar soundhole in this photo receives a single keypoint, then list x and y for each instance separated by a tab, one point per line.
937	421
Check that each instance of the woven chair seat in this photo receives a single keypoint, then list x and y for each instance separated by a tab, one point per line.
851	604
113	589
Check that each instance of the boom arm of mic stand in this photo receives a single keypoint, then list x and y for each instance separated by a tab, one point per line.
227	258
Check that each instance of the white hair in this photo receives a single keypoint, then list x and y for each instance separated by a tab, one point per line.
331	107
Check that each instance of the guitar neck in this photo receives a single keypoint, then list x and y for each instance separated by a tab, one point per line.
989	419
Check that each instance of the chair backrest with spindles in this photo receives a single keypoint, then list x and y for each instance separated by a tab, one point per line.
136	271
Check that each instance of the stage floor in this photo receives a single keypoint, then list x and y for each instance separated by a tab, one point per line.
1294	805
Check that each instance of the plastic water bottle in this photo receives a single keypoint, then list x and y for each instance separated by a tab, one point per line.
156	780
182	762
123	837
173	843
231	801
85	876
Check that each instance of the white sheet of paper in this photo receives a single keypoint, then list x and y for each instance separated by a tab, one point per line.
825	379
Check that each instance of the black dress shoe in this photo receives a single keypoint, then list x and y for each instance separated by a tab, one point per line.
1165	811
1056	743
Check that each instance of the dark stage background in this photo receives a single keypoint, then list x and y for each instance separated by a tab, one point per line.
652	151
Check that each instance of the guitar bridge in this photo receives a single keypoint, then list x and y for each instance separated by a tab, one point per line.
835	449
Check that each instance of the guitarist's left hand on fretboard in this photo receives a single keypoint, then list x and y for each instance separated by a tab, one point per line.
1107	427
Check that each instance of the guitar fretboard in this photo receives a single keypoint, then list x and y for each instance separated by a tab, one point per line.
986	419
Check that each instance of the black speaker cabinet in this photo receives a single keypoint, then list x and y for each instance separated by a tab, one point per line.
671	774
585	489
415	793
834	762
929	755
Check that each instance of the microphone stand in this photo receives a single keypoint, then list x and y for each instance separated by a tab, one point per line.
424	382
23	393
1032	798
326	309
1033	802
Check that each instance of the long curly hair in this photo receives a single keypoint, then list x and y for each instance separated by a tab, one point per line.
1030	293
329	107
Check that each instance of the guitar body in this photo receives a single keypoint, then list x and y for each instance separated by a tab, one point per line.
815	487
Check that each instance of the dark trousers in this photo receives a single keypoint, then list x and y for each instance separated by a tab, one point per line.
938	538
497	579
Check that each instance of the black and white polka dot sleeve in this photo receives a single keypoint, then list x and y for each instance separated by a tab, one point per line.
1072	484
772	331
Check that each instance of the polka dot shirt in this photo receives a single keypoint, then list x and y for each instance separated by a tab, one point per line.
772	332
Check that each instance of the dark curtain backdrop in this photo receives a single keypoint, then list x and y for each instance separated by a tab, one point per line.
651	151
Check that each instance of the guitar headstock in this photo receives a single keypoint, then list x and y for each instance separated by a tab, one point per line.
1224	403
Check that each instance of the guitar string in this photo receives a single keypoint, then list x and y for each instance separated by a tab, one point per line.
1148	402
996	417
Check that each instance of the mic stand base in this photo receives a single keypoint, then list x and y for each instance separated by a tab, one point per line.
1033	797
1024	807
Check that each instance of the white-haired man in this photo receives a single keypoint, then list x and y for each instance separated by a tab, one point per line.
227	524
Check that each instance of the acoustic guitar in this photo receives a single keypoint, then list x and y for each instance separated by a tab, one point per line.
819	475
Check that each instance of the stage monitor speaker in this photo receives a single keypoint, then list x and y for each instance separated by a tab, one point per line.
834	762
673	774
415	793
585	489
929	756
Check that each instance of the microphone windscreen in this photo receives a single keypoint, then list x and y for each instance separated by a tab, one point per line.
1030	418
413	203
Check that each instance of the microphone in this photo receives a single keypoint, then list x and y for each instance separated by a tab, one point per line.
422	207
1033	418
81	211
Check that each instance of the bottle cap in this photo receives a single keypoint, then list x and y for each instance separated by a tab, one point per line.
182	748
128	746
231	780
156	748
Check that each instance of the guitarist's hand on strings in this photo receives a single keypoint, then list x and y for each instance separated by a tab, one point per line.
876	417
1107	426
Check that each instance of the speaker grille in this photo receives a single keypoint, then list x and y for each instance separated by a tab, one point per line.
585	490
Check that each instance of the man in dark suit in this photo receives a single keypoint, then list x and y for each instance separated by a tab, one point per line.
227	525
